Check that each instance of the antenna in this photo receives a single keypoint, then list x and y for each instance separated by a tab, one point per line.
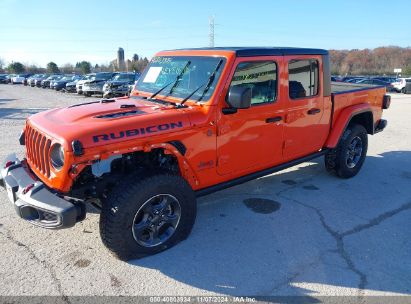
211	33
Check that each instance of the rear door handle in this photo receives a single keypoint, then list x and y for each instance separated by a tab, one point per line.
273	119
313	111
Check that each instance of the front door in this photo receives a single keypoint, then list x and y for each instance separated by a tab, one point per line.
252	138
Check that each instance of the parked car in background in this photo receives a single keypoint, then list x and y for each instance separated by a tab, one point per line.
355	80
386	78
119	85
400	84
336	78
19	79
4	78
45	83
28	80
407	89
79	84
378	82
9	77
350	78
71	86
38	80
95	85
31	81
61	83
54	82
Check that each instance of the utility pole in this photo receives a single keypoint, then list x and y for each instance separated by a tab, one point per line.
211	33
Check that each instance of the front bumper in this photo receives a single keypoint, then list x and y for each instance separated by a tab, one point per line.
33	201
117	91
93	89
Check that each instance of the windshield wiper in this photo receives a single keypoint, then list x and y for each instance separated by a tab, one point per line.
207	84
174	82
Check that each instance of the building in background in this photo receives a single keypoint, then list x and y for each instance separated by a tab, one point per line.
120	59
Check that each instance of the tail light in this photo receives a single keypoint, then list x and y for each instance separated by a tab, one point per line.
386	102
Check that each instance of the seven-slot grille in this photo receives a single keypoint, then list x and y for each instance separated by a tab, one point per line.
38	149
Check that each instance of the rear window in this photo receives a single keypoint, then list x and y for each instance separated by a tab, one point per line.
303	78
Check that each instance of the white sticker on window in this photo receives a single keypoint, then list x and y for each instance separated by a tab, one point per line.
152	74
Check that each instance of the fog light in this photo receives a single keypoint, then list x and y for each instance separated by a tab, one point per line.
29	213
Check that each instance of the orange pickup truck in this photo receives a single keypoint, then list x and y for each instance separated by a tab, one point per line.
197	121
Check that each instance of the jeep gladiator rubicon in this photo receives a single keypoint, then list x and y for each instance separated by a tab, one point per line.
198	121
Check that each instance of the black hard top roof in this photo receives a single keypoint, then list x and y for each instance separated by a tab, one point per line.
264	51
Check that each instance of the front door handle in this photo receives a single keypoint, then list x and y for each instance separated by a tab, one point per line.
273	119
313	111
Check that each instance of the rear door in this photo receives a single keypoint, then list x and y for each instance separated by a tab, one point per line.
252	138
304	131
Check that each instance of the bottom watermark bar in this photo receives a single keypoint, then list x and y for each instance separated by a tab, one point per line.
202	299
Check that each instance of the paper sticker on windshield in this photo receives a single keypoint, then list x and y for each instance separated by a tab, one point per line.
152	74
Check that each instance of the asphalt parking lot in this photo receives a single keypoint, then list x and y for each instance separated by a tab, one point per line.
297	232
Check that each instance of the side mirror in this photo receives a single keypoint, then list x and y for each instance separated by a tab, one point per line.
239	97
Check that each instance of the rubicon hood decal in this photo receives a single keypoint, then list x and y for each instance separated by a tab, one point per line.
138	132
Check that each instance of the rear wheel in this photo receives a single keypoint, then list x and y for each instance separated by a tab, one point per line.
347	159
141	218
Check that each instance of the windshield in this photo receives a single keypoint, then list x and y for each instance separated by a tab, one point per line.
164	70
124	77
89	76
103	76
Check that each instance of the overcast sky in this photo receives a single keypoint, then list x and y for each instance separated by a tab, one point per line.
69	31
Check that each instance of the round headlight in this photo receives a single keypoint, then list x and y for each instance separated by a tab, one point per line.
57	156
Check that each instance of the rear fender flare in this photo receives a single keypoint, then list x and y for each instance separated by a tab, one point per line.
344	119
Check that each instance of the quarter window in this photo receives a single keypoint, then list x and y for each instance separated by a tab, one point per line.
303	78
260	77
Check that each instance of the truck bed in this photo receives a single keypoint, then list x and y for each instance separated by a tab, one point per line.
345	95
344	87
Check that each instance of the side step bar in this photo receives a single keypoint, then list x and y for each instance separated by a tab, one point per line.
249	177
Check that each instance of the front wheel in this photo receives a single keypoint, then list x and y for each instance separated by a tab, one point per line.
144	217
347	159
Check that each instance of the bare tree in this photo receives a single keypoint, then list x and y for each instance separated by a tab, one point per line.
382	60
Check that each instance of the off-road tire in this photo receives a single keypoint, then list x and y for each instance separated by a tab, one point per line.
122	204
336	159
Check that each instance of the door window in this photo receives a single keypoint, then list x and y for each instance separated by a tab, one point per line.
260	77
303	78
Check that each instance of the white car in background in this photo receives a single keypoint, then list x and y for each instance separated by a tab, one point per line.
399	85
19	79
80	83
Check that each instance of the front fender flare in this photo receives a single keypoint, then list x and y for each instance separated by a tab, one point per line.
186	170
